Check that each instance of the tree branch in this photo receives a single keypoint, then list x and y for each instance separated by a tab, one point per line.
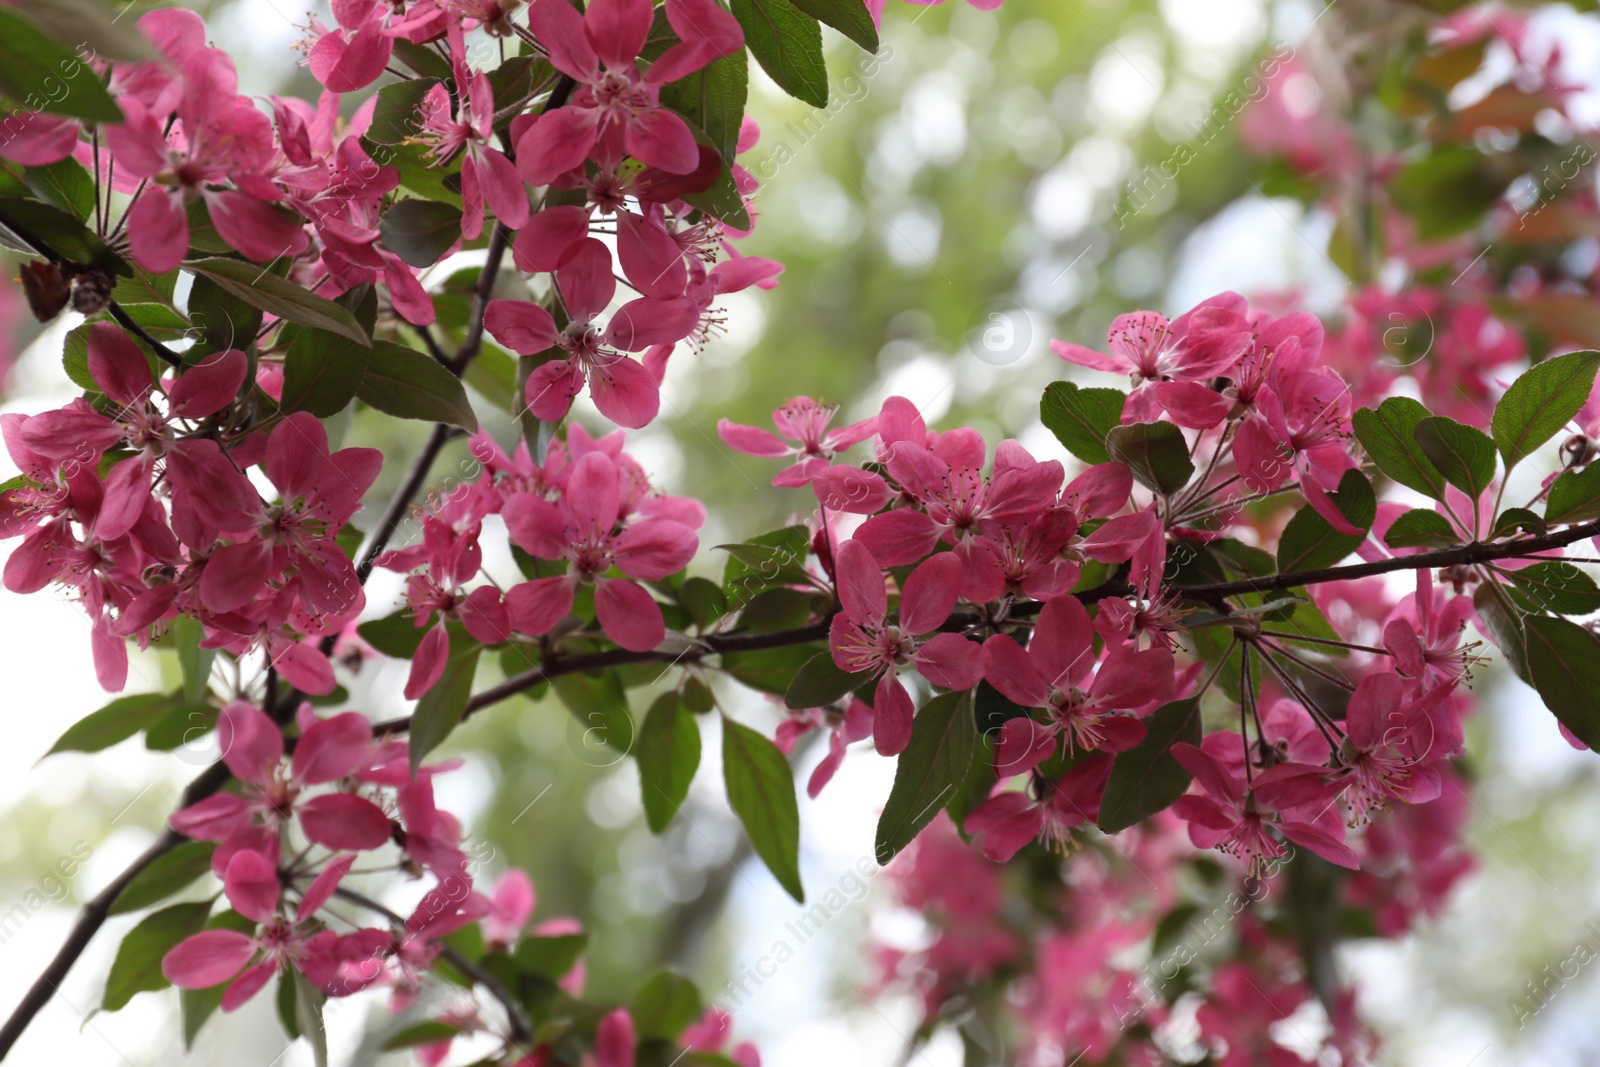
165	354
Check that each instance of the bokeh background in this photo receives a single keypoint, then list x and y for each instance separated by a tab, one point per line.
954	208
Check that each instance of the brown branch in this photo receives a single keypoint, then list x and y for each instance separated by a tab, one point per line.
1462	555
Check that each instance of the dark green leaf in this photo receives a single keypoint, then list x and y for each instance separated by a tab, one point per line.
137	968
1574	496
820	682
600	705
1156	452
1513	519
93	26
773	559
761	792
166	876
224	319
1309	542
420	232
721	199
1541	401
1388	433
408	384
704	600
42	75
424	1033
1421	528
992	709
117	721
1564	659
290	302
849	17
1557	587
1505	625
418	174
769	670
1081	418
194	661
1146	779
26	224
713	99
932	767
494	375
396	636
398	113
788	45
665	1006
308	1005
550	957
64	184
1463	455
440	709
422	59
322	372
668	756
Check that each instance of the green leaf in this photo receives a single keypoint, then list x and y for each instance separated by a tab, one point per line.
408	384
290	302
42	75
930	770
1574	496
422	59
1513	519
322	372
1540	403
720	199
713	99
64	184
494	375
92	24
1556	587
117	721
166	876
417	171
198	1005
25	223
195	662
440	709
308	1005
396	636
137	968
668	756
1081	418
600	705
420	232
1309	542
225	320
788	45
820	682
1564	659
1463	455
769	670
704	600
849	17
1505	625
665	1006
1146	779
761	792
550	957
776	558
1421	528
423	1033
398	113
1388	434
1156	453
1447	191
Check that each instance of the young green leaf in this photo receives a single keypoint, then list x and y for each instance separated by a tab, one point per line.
322	371
1156	452
930	770
420	232
668	755
1541	401
1511	520
849	17
1463	455
408	384
1554	586
599	704
1388	434
42	75
1146	779
137	968
761	792
665	1006
117	721
1081	418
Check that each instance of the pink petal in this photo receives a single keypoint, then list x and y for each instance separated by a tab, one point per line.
117	364
258	229
536	606
343	822
207	958
892	713
950	661
251	884
248	984
751	440
625	392
900	537
551	387
1022	745
653	549
332	749
1005	823
549	238
557	141
860	583
930	594
628	615
213	818
662	139
252	745
1011	670
427	666
614	1039
320	891
521	325
158	230
209	386
560	28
